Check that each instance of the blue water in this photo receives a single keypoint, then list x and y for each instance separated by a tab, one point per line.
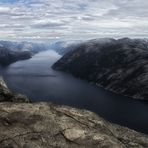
36	79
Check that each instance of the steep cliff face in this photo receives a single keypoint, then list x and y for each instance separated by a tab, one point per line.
117	65
45	125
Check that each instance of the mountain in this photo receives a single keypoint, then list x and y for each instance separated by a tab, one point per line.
8	56
45	125
14	51
118	65
24	46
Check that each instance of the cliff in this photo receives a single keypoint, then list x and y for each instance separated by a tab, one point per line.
117	65
45	125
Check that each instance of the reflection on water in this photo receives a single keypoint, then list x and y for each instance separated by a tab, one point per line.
36	79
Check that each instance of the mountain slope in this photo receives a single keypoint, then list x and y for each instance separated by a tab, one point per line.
117	65
7	56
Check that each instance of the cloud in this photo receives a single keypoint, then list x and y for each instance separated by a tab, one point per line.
49	24
72	19
4	9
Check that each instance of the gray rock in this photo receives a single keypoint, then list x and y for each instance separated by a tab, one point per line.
44	125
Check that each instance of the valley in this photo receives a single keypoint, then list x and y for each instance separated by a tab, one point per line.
36	79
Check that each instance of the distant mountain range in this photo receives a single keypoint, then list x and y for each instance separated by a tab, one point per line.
118	65
8	56
14	51
63	47
24	46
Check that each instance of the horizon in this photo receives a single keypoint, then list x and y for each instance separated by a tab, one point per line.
70	40
44	21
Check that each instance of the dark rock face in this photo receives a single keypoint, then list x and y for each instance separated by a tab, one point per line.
117	65
7	56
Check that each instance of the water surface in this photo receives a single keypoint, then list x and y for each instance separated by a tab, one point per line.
36	79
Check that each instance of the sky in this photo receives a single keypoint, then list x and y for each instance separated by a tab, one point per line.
45	20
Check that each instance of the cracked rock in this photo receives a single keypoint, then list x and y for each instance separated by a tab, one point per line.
41	125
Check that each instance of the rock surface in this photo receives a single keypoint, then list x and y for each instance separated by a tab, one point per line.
119	65
44	125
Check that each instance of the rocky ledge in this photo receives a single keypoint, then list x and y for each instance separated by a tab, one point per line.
45	125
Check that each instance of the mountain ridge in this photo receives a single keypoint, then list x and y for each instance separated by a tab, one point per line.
8	56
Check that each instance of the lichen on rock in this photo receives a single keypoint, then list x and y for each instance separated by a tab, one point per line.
45	125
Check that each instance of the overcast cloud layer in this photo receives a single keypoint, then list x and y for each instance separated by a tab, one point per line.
72	19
